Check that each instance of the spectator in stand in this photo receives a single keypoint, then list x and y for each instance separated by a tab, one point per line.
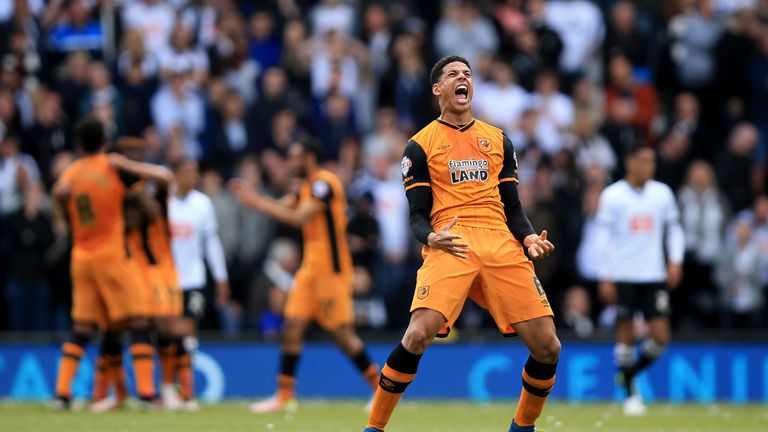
378	36
333	16
588	146
757	217
405	87
154	20
577	311
18	172
297	56
137	71
703	215
579	24
625	38
78	31
334	69
555	112
268	295
641	95
265	46
736	167
72	84
276	94
693	36
178	109
511	20
501	102
181	48
101	92
463	31
28	235
528	61
232	138
49	135
738	276
334	123
549	41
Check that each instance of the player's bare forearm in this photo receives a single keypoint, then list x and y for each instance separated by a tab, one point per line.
147	171
293	216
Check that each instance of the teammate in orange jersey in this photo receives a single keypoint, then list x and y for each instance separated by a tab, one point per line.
460	177
91	193
322	290
148	238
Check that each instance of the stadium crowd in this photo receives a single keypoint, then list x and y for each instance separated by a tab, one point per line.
232	84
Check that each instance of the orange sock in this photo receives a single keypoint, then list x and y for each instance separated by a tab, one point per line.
100	379
168	363
286	387
372	376
117	376
391	387
71	354
186	376
143	369
532	399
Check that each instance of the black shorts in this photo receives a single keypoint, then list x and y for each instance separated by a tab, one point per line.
194	303
652	299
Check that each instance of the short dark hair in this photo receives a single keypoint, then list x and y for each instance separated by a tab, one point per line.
311	146
181	163
90	134
633	149
437	69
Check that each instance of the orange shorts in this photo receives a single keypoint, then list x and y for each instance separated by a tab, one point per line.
175	296
163	299
323	297
496	274
107	291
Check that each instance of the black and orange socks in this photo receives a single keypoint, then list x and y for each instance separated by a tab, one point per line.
167	349
286	379
142	358
538	379
71	353
367	367
396	375
184	371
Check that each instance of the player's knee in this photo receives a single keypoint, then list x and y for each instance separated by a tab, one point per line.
82	333
549	350
417	339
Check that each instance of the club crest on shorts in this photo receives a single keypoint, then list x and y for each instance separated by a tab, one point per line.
405	165
484	144
422	292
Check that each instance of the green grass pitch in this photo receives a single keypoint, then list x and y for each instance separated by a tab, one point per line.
411	416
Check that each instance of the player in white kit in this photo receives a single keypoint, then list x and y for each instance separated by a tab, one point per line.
640	236
194	239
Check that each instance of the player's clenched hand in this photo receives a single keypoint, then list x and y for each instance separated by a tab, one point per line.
538	246
444	241
674	275
222	293
245	193
607	291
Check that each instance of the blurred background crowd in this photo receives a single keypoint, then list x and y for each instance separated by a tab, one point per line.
233	83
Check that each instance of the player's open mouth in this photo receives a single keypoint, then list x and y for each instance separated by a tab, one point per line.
462	93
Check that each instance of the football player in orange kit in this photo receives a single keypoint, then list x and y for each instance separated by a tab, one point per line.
105	279
148	238
322	290
460	177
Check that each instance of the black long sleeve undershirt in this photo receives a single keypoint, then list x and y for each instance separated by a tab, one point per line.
420	205
517	221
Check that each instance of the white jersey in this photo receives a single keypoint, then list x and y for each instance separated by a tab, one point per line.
631	225
194	234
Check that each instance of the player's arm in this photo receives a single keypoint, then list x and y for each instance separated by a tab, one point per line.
675	243
61	193
294	214
214	254
605	220
143	170
517	221
418	190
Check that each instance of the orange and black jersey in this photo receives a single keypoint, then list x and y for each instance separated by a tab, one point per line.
469	172
95	208
325	239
